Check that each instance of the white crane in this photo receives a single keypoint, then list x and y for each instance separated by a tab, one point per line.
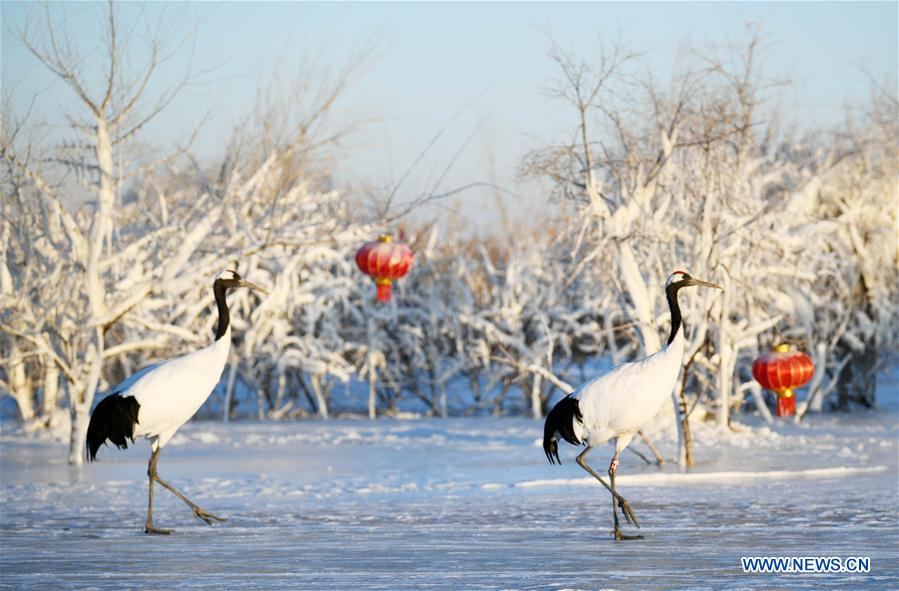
619	403
156	401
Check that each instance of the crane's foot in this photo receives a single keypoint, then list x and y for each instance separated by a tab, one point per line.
620	536
209	518
627	511
156	530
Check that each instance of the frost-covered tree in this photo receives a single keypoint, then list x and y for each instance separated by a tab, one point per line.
97	278
695	174
103	288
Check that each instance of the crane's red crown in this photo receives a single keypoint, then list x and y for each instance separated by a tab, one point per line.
676	276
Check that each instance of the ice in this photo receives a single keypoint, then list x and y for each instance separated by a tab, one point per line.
467	503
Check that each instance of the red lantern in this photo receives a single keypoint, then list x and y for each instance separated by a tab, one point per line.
386	261
782	371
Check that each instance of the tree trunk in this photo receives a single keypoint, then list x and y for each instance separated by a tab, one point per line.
819	358
81	398
78	435
260	401
101	229
372	397
726	357
536	404
22	391
684	436
280	388
501	397
101	225
320	402
51	388
475	386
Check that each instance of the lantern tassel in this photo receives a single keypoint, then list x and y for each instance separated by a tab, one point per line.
786	403
385	290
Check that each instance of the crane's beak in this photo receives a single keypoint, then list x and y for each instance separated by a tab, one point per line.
245	283
706	284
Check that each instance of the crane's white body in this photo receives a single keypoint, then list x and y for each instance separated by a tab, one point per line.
620	402
154	403
171	393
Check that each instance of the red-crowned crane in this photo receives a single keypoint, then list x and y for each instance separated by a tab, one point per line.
620	402
156	401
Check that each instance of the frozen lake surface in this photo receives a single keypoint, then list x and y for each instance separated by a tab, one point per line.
451	504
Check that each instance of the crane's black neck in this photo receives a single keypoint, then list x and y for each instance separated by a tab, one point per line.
671	292
219	288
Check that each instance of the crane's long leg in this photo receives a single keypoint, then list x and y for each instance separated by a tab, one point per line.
198	511
622	502
151	471
613	469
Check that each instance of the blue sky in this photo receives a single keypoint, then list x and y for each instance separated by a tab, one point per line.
433	59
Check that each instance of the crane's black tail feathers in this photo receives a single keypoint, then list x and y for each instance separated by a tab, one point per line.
113	419
561	420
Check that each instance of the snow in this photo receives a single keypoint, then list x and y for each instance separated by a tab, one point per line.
462	503
705	478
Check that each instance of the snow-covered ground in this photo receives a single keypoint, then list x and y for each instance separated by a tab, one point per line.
451	504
